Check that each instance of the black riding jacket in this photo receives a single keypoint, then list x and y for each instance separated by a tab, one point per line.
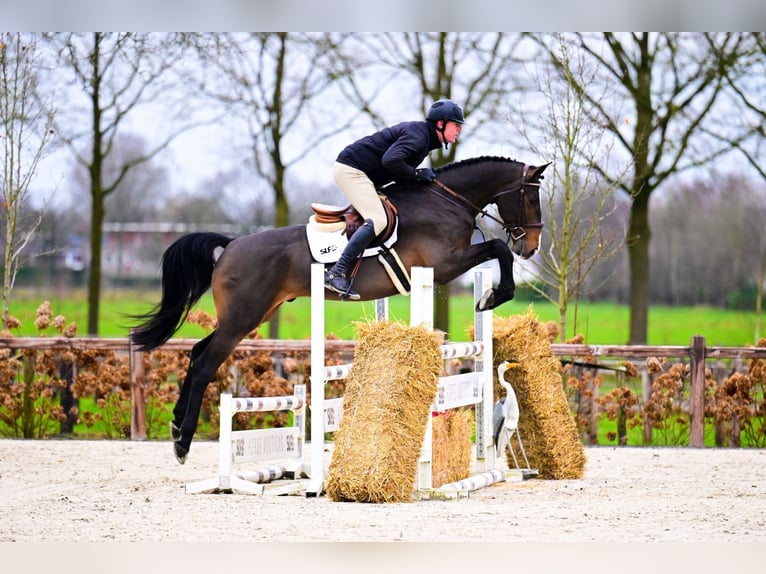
393	153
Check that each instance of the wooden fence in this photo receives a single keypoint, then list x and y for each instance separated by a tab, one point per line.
697	353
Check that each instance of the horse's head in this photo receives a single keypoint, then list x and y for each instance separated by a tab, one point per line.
519	208
511	185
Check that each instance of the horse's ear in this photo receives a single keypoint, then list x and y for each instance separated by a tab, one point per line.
537	171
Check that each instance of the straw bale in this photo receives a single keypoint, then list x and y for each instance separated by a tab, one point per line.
451	449
546	424
386	407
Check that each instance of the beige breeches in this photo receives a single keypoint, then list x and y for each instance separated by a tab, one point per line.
361	192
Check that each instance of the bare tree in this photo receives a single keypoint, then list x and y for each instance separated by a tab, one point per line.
578	200
25	132
755	218
708	248
747	88
477	70
111	77
140	193
745	77
674	82
272	83
269	83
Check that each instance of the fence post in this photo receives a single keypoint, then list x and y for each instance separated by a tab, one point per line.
137	396
697	392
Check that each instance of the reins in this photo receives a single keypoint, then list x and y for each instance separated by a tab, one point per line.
515	233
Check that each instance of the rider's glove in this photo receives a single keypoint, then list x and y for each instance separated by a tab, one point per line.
426	175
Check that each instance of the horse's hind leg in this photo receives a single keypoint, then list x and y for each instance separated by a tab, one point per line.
179	411
202	369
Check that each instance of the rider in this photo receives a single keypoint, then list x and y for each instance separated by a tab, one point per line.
392	154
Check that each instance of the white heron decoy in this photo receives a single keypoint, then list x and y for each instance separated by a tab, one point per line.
506	418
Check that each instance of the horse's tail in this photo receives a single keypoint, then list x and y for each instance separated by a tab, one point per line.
187	271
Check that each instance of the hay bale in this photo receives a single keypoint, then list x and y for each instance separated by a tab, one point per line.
546	424
452	446
386	407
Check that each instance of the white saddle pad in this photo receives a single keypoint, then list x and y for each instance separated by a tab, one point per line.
326	242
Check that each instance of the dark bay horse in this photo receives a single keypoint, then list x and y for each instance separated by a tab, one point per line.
256	273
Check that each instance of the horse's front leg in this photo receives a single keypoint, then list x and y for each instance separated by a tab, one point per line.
475	255
506	288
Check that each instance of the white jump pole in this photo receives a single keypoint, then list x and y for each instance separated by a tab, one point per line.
316	482
422	313
485	448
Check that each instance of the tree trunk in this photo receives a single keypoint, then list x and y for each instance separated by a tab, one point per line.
441	307
281	219
94	276
96	194
638	251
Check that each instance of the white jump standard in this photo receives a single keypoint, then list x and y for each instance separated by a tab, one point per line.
258	445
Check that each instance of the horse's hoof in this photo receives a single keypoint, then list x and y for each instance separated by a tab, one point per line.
493	298
487	301
180	452
175	432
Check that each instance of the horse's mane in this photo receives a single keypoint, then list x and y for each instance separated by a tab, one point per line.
394	187
473	160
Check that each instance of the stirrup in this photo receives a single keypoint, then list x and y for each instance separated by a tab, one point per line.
344	291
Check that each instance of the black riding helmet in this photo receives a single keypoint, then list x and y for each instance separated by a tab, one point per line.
446	110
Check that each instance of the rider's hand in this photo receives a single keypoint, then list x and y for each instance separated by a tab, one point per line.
425	175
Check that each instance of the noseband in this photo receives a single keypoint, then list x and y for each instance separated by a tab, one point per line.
519	230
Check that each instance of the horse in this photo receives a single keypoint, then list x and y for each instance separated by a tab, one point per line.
252	275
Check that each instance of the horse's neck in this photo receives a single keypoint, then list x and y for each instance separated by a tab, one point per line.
475	192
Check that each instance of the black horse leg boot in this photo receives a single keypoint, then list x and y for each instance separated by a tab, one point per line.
335	279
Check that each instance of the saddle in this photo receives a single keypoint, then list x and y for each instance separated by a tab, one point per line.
329	223
333	216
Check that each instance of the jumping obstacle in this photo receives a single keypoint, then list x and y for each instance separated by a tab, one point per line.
474	388
258	445
466	389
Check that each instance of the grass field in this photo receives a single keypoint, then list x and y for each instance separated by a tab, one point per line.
599	323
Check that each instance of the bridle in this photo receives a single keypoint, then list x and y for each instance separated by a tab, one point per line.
519	230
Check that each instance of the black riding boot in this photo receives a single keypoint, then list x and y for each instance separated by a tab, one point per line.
335	277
